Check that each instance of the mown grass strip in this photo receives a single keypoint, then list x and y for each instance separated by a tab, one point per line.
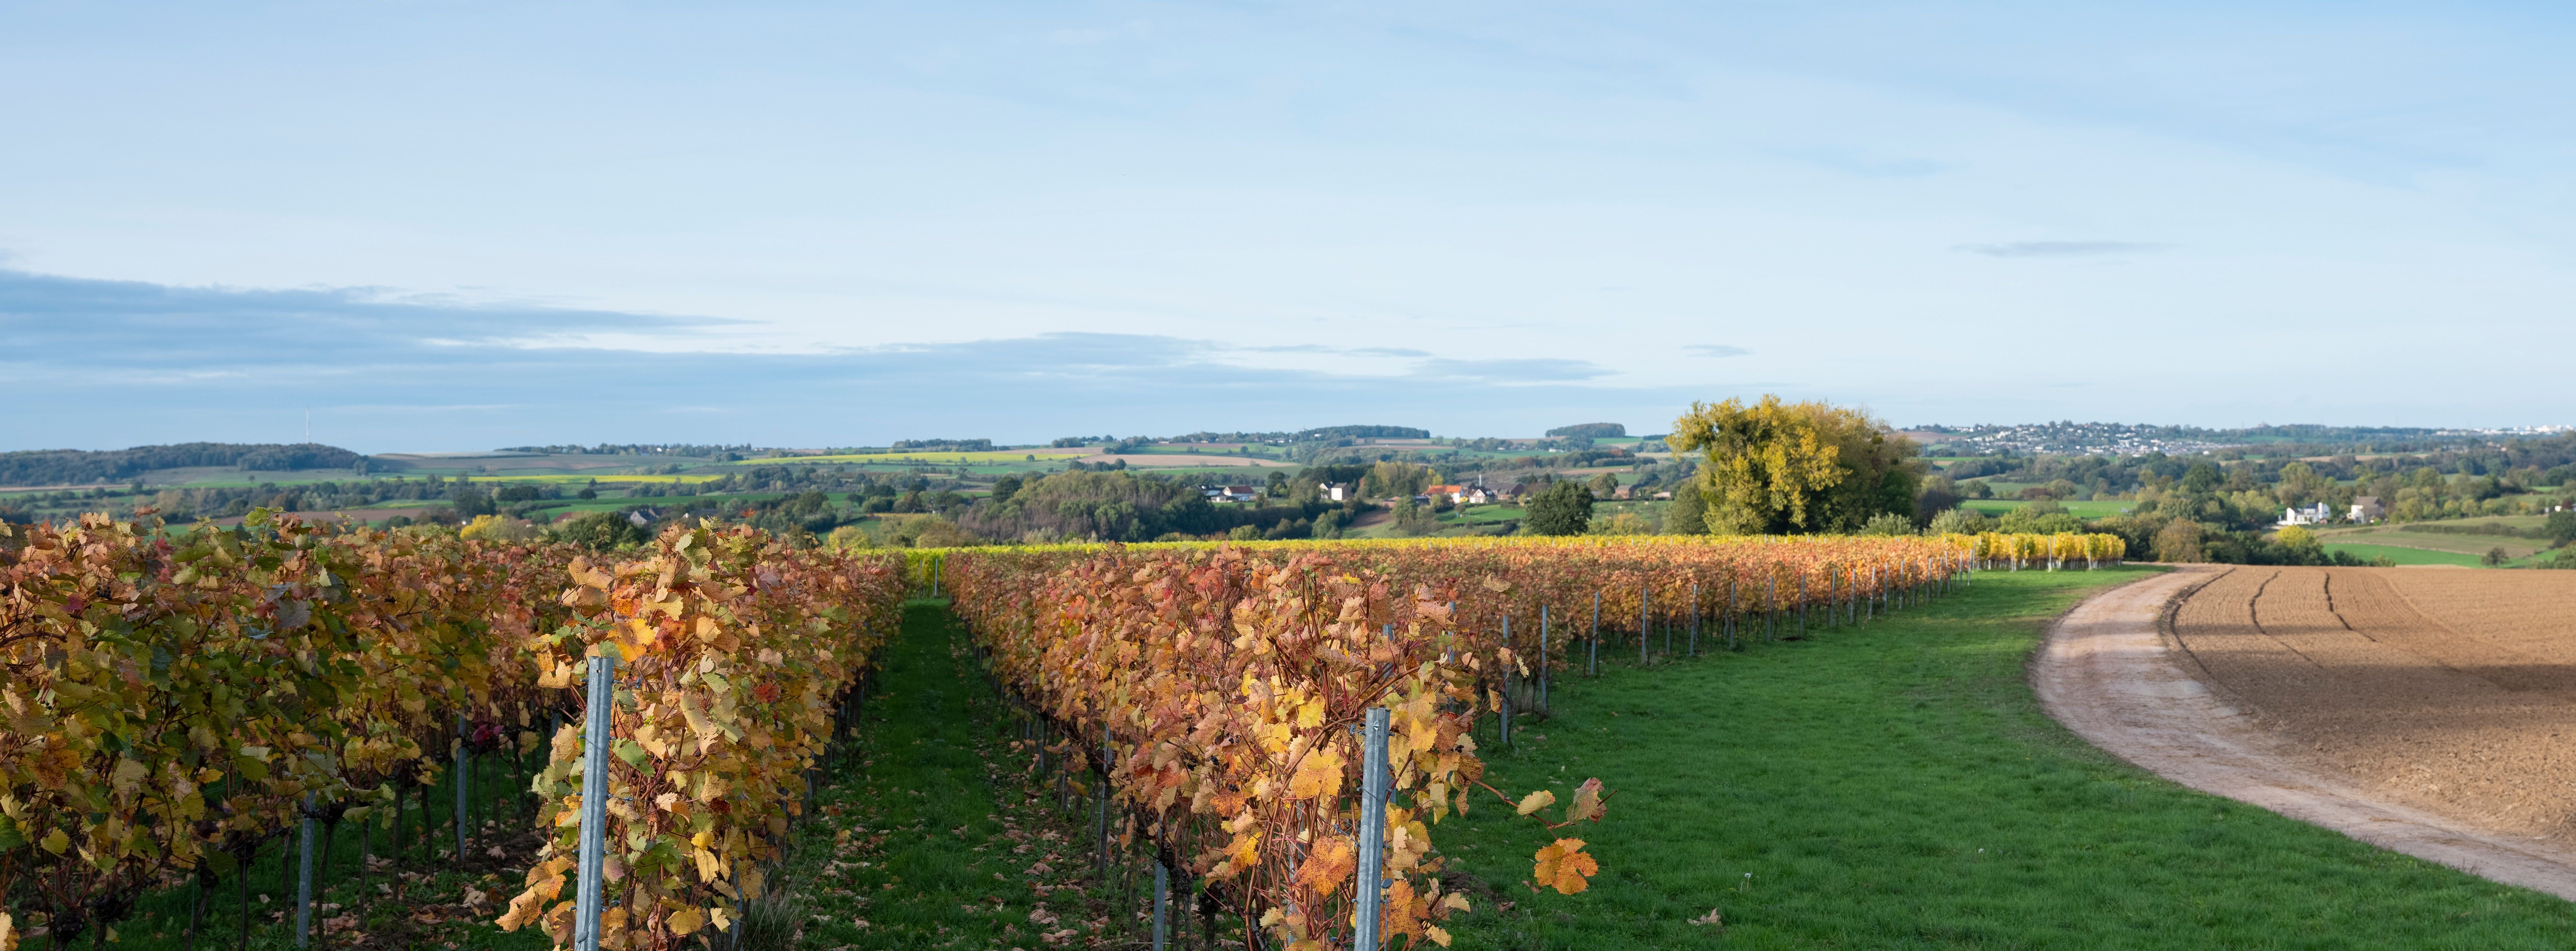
1897	786
935	835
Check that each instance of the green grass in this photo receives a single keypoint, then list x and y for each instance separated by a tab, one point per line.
930	457
2103	508
418	901
1484	514
2403	555
1897	786
931	811
2471	545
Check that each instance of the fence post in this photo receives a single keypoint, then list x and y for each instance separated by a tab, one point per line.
1730	611
304	880
1694	637
1108	752
1373	783
1771	608
1802	601
592	896
1542	660
1645	603
1503	727
1594	650
1162	902
461	769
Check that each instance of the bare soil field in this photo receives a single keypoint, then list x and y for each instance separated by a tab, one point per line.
2450	691
2114	672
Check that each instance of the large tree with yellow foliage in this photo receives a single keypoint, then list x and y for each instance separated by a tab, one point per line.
1773	467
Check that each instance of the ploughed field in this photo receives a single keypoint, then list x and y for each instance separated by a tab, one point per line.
2454	691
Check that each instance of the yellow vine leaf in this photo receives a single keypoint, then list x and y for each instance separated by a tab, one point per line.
685	921
1318	774
1537	801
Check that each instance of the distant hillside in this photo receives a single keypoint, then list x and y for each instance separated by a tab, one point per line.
82	467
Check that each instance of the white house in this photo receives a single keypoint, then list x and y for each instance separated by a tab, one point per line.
2366	509
1335	491
2311	515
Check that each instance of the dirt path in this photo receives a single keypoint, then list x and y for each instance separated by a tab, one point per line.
2112	674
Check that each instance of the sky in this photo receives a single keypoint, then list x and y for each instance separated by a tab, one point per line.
454	226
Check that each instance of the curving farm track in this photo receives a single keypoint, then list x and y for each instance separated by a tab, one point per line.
2426	711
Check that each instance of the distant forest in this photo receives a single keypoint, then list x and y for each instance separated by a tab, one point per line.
82	467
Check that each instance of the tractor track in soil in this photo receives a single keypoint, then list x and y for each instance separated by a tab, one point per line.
2114	671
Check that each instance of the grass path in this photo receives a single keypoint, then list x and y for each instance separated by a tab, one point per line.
1897	786
938	838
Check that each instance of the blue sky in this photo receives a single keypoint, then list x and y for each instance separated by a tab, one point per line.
459	225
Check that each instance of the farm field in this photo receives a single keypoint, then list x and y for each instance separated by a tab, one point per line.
2454	691
2403	555
2399	537
1897	786
936	458
2103	508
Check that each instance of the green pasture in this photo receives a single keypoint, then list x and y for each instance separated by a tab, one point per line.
1897	786
933	458
2506	521
1484	514
2404	555
2103	508
2471	545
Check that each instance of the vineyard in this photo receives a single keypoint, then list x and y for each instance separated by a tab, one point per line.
1215	689
177	700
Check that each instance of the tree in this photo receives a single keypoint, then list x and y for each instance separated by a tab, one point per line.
1774	467
1624	523
1937	495
1888	523
2202	478
1591	430
471	503
1412	519
1958	522
1605	485
1396	480
601	531
2179	541
2561	528
1687	515
1564	508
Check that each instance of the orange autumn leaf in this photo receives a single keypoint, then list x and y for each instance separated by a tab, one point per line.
1563	866
1332	861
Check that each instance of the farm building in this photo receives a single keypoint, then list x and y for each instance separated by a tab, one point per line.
2310	515
2366	509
